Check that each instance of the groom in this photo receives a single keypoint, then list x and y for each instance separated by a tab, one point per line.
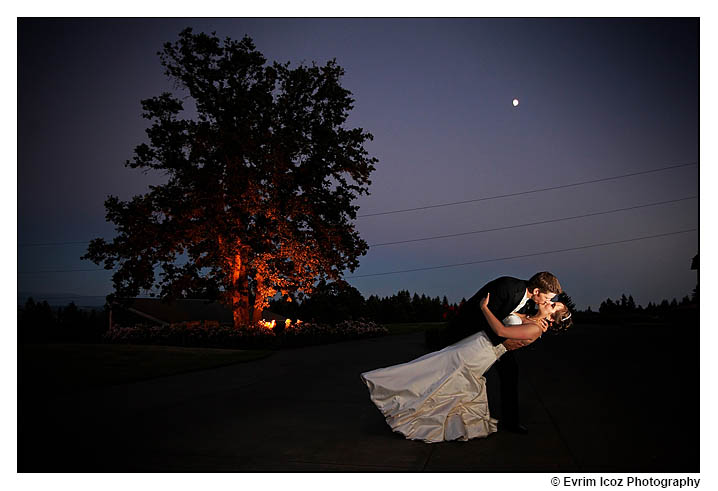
508	296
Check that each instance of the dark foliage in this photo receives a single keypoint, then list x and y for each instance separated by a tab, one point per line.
213	335
261	181
626	305
334	302
40	323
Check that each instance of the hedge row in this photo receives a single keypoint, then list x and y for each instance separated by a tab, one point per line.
213	334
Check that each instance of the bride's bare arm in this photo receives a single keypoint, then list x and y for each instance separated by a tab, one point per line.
513	344
528	330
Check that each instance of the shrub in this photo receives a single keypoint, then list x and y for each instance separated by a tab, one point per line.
212	334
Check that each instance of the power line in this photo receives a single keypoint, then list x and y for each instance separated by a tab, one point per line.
69	297
42	244
532	223
436	267
563	186
63	271
523	255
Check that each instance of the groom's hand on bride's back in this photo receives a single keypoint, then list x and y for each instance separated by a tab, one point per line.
512	344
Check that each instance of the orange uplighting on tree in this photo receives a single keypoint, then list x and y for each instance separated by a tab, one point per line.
260	182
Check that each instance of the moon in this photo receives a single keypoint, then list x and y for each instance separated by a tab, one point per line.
515	102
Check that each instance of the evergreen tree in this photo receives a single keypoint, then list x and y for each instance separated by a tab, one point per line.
333	302
37	322
607	307
631	303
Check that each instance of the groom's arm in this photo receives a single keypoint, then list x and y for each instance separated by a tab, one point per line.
506	294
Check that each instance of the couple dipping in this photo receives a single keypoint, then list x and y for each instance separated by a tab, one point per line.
441	396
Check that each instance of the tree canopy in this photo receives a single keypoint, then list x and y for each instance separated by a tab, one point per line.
261	178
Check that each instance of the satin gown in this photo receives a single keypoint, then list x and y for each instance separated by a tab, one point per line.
440	396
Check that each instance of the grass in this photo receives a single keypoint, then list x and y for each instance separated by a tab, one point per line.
412	327
61	368
52	369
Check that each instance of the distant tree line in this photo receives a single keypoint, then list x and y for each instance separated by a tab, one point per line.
38	322
333	302
626	305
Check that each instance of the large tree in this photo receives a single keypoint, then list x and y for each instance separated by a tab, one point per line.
262	175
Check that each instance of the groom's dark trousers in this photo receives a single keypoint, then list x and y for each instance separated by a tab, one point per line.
506	294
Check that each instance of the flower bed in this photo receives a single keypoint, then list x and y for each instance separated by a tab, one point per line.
213	335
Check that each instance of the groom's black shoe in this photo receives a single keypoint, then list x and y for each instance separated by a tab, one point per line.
513	428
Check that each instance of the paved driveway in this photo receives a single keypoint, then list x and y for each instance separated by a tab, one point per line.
591	405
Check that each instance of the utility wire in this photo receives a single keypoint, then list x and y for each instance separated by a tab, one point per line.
563	186
523	255
77	297
444	266
42	244
62	271
532	223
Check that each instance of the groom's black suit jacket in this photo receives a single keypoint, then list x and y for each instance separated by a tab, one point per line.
506	294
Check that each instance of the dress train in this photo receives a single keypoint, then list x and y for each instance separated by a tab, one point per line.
440	396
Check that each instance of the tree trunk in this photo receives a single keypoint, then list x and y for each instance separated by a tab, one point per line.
240	291
256	314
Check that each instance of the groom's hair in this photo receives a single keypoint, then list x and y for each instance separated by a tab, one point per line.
545	282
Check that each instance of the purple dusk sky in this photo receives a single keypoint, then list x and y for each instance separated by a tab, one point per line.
598	98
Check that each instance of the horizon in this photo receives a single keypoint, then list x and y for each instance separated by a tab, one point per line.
64	299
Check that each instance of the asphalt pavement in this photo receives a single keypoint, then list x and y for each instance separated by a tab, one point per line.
593	401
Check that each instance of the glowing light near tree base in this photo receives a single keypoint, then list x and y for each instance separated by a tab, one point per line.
272	324
267	325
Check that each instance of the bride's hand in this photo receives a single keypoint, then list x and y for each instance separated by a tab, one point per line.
484	304
542	322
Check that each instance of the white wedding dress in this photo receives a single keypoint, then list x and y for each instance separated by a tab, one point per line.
440	396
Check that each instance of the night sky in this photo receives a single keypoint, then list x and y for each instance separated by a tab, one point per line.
598	98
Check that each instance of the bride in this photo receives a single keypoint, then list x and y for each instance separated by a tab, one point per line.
441	396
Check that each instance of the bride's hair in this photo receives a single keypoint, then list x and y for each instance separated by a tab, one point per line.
561	319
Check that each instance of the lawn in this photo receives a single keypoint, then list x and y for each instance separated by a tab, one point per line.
51	369
412	327
60	368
